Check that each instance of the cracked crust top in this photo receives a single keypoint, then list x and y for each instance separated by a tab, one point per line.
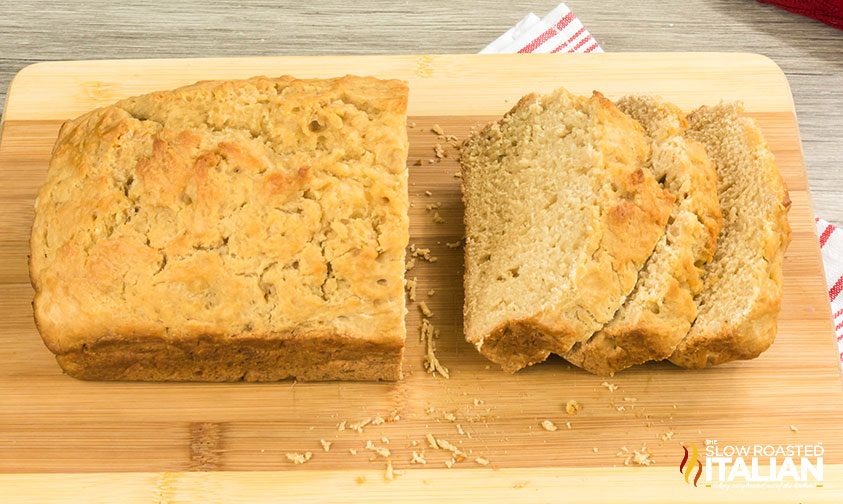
262	208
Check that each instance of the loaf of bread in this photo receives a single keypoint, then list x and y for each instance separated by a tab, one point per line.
659	311
742	291
560	213
229	230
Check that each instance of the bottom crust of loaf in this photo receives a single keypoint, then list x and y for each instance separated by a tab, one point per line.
207	359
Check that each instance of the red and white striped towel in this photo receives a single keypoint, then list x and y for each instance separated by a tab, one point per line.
561	31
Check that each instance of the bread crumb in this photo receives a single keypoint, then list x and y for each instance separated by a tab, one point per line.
437	129
352	451
519	484
450	462
382	451
393	416
417	458
360	480
573	407
431	161
460	430
478	402
428	193
568	425
341	426
630	399
595	450
411	285
326	445
418	162
433	206
437	219
453	245
445	445
794	428
431	441
384	440
610	386
548	425
378	420
410	264
429	410
431	363
667	436
450	416
431	292
412	124
482	461
425	309
358	426
299	458
641	457
458	174
390	473
438	151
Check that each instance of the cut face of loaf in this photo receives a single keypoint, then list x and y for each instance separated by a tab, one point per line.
742	292
561	214
659	311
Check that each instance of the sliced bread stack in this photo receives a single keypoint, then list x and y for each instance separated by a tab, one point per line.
595	232
561	214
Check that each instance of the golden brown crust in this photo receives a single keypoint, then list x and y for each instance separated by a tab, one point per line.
629	218
743	285
226	210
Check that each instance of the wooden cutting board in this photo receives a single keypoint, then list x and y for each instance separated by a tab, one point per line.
158	442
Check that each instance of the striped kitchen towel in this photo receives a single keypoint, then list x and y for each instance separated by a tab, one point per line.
831	246
561	31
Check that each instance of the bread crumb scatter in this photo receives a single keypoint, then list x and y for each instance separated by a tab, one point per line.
667	436
482	461
378	420
437	219
393	416
449	416
641	457
299	458
610	386
326	445
437	129
450	463
433	206
573	407
429	410
548	425
425	309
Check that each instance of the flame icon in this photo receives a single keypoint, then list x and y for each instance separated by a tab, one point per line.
686	467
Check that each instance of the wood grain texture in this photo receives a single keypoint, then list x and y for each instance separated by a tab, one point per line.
808	51
50	423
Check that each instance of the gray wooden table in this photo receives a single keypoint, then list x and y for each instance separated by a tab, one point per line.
809	52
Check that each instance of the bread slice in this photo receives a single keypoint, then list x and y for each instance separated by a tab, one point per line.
742	289
229	230
560	214
661	308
